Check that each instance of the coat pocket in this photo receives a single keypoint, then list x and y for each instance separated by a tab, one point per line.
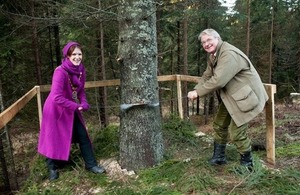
245	98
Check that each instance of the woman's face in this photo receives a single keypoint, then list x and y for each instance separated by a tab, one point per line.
209	43
76	56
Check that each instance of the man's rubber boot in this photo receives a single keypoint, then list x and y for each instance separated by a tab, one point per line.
218	157
247	161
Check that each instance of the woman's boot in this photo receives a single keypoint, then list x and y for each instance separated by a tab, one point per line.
53	174
52	166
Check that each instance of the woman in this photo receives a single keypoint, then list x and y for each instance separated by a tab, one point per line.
62	122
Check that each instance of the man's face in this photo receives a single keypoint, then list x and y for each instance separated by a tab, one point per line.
76	56
209	43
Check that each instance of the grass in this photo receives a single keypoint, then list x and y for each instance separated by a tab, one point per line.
184	171
289	150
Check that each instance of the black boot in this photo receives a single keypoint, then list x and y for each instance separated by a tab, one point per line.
53	174
247	161
52	167
219	155
97	169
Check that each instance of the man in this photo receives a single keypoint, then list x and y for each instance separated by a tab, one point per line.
240	91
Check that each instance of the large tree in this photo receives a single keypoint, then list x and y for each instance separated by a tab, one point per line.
141	143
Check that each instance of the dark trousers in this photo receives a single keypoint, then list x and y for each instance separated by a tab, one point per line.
81	137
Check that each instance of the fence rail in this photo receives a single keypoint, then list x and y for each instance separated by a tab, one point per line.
11	111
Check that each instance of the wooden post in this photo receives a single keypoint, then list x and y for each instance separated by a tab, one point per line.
38	97
179	96
270	123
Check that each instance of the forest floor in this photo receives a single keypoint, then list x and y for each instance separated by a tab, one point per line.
185	170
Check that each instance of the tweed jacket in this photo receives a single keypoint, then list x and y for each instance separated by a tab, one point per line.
237	82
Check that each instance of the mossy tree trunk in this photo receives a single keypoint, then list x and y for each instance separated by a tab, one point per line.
141	143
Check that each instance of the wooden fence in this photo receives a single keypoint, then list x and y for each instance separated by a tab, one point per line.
10	112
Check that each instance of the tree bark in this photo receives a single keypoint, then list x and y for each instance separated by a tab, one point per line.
248	27
3	163
102	75
271	43
56	35
36	46
185	65
141	143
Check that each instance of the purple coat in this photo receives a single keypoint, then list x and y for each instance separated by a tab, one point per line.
58	116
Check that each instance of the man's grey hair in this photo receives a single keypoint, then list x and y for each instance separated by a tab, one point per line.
209	32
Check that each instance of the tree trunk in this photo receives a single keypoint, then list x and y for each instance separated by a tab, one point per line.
199	46
248	27
185	65
271	43
178	54
3	168
209	101
173	86
56	35
102	75
3	164
36	47
141	143
50	46
57	45
159	60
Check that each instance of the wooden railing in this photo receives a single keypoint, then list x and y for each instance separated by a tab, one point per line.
11	111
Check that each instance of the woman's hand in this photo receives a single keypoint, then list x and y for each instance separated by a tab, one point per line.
83	107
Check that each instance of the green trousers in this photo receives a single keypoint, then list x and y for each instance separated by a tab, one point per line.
226	130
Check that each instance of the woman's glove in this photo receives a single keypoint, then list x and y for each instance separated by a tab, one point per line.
84	106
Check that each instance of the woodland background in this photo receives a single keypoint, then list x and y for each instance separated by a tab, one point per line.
33	33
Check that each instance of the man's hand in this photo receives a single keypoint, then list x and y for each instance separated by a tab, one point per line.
192	95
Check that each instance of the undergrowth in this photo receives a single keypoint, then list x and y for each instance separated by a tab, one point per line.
184	171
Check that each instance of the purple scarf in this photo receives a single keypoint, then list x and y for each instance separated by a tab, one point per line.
73	71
